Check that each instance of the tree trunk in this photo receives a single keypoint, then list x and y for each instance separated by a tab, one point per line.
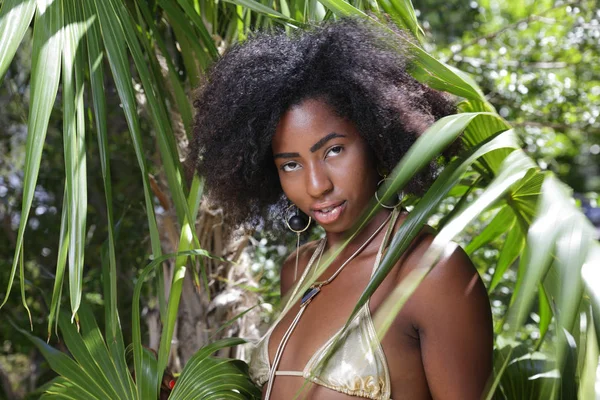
203	314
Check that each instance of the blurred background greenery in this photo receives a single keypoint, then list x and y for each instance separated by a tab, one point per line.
536	61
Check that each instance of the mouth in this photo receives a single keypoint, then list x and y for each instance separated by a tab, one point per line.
328	213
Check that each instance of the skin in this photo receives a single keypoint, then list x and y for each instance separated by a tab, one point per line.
440	344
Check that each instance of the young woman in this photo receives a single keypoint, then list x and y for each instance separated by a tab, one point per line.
314	121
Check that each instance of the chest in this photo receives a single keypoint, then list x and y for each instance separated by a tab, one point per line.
326	313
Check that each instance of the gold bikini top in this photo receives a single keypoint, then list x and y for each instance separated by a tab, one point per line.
356	367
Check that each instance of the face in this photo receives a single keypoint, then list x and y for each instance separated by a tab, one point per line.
325	167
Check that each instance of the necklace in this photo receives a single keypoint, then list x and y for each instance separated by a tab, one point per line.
309	294
315	288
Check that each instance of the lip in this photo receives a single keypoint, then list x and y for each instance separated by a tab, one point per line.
324	218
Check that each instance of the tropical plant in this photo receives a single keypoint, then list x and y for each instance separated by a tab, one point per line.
99	372
545	232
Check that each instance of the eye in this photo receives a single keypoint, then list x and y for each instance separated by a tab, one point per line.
290	166
334	151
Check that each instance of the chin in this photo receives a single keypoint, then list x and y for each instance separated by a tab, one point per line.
337	227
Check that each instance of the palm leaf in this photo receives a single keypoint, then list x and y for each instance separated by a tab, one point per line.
67	368
61	388
170	158
205	37
187	241
204	377
91	360
136	323
262	9
511	248
74	143
92	374
403	14
60	267
182	101
590	276
15	17
114	44
514	168
553	209
96	72
113	334
45	75
522	375
587	387
505	217
117	378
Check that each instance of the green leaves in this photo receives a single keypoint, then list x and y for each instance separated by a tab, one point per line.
74	145
15	17
164	349
505	217
93	371
403	13
523	374
514	168
512	247
45	76
542	230
209	378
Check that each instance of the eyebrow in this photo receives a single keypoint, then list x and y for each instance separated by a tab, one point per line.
286	155
324	140
313	148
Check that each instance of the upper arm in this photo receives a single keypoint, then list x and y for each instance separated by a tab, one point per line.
453	317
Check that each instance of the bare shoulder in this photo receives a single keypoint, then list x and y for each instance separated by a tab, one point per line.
453	283
287	269
451	313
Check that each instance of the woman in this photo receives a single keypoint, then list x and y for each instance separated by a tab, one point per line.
315	121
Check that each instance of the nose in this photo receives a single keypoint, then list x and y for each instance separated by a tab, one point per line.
318	181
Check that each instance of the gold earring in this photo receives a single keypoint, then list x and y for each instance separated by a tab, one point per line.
400	197
297	223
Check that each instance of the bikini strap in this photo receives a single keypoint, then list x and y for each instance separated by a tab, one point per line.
384	243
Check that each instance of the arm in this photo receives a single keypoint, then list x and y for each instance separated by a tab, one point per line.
453	317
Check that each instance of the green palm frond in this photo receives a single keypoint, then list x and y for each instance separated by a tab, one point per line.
92	373
546	234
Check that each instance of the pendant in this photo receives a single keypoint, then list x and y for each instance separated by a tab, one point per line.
309	294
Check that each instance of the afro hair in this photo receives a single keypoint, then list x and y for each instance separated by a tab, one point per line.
359	70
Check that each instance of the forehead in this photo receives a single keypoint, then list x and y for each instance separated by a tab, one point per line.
305	123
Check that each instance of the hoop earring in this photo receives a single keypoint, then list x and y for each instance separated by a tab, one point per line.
400	197
297	223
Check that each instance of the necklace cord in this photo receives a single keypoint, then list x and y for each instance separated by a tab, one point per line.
356	253
304	302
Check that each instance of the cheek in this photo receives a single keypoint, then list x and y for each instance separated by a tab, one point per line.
289	187
362	174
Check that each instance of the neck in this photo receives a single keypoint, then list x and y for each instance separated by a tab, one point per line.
335	239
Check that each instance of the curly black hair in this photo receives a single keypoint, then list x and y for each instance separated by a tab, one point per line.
359	70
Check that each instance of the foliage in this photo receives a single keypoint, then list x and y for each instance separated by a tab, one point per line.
96	371
167	44
535	62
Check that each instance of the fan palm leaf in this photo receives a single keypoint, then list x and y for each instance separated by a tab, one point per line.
72	43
